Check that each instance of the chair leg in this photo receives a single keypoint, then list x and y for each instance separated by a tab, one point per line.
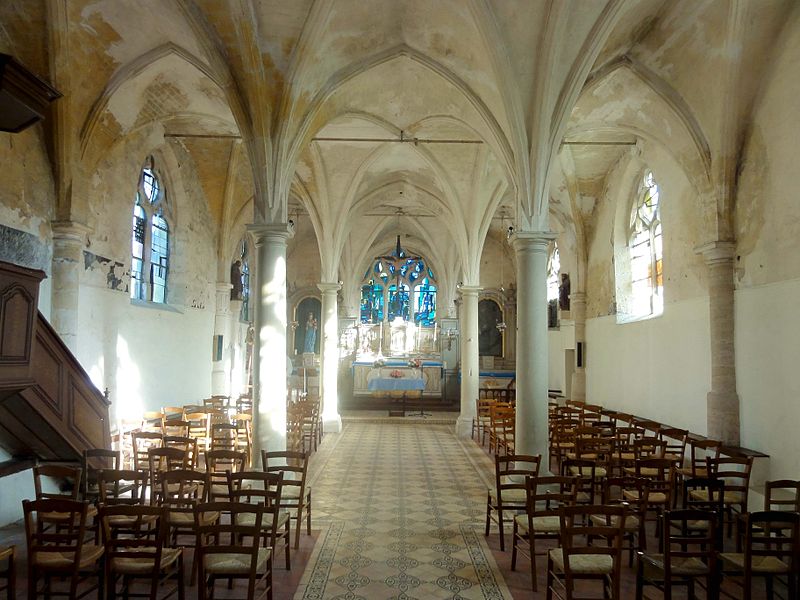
500	527
299	526
488	512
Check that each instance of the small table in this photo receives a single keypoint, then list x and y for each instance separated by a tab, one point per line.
399	384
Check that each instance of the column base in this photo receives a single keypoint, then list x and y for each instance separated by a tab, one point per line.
332	424
464	427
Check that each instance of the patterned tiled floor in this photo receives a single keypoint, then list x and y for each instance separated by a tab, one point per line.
401	510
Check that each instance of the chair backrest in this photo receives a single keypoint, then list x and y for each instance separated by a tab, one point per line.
223	436
152	420
218	464
199	427
592	531
244	404
772	534
173	413
181	490
659	472
676	443
614	489
136	532
510	471
294	467
649	446
686	540
256	487
584	471
216	402
238	534
186	444
546	494
141	442
698	451
176	427
92	461
164	460
783	494
122	486
68	478
706	494
734	471
67	539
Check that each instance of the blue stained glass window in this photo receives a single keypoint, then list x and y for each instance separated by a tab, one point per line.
425	303
371	303
398	302
159	257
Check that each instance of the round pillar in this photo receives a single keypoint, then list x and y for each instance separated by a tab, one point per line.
269	345
470	374
532	353
331	420
722	401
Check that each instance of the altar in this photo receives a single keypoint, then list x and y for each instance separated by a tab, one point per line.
370	377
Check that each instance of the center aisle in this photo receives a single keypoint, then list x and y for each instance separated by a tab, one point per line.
402	509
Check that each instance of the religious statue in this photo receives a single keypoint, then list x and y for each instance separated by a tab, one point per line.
310	341
236	280
563	292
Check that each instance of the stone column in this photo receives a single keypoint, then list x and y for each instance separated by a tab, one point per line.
269	345
470	373
69	240
220	383
722	400
577	302
329	348
532	354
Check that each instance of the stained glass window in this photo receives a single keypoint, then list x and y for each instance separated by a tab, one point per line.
149	240
646	251
398	302
425	303
371	303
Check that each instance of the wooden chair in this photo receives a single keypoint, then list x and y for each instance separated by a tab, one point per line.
68	478
295	494
216	403
200	429
257	487
163	460
135	539
186	444
698	451
244	434
633	528
767	553
244	404
502	418
660	477
544	496
142	442
152	420
676	440
123	486
8	575
509	494
61	552
687	556
783	494
710	500
218	464
242	557
223	436
735	472
176	427
481	420
181	491
587	551
93	461
586	477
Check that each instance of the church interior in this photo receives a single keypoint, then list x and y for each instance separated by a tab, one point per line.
401	209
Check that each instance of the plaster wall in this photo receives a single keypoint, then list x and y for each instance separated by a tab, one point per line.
559	341
658	368
147	356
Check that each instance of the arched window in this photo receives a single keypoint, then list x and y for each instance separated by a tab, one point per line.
149	239
388	282
646	251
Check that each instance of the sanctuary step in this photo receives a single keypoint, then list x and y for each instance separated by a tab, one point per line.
49	408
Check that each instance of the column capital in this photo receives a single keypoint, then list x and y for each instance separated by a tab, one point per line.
536	240
469	290
327	287
717	252
273	232
69	231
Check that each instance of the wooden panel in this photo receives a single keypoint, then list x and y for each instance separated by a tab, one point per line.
49	372
88	417
16	324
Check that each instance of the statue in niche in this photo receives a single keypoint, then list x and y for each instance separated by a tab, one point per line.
236	280
563	292
309	344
